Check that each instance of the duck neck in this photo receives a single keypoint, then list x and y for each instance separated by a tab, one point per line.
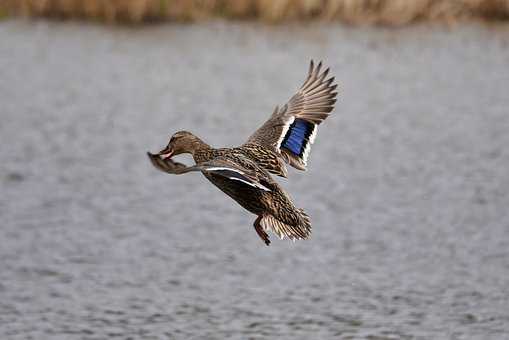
200	150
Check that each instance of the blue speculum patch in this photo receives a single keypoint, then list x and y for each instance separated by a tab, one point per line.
297	136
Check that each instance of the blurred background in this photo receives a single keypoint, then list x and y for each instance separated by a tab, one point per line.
407	188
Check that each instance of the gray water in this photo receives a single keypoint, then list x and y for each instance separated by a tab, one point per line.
407	188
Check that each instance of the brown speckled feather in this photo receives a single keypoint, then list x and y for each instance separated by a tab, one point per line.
266	158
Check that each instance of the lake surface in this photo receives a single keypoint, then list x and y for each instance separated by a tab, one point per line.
407	188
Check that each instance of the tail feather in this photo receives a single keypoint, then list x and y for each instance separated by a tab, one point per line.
299	231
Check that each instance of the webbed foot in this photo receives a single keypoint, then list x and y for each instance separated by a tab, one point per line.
259	230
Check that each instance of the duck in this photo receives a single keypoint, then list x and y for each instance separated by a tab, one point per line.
244	172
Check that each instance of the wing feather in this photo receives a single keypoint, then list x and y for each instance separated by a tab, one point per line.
312	103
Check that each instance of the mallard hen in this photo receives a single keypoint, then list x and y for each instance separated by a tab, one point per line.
243	172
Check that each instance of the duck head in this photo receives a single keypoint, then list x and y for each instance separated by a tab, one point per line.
181	142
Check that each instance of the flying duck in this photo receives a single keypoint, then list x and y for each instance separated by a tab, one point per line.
244	172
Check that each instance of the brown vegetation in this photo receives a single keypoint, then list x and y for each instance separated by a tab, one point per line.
385	12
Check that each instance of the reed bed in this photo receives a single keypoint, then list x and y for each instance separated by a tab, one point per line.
381	12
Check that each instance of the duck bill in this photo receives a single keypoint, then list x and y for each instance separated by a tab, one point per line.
165	153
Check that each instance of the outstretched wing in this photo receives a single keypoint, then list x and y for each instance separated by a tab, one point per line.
291	129
168	165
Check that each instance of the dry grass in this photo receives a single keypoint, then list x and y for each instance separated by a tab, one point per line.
384	12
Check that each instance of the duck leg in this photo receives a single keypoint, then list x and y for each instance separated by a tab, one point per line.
259	230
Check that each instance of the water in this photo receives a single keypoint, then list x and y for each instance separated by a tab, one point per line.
408	184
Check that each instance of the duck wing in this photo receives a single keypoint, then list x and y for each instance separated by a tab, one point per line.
291	129
239	169
167	165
